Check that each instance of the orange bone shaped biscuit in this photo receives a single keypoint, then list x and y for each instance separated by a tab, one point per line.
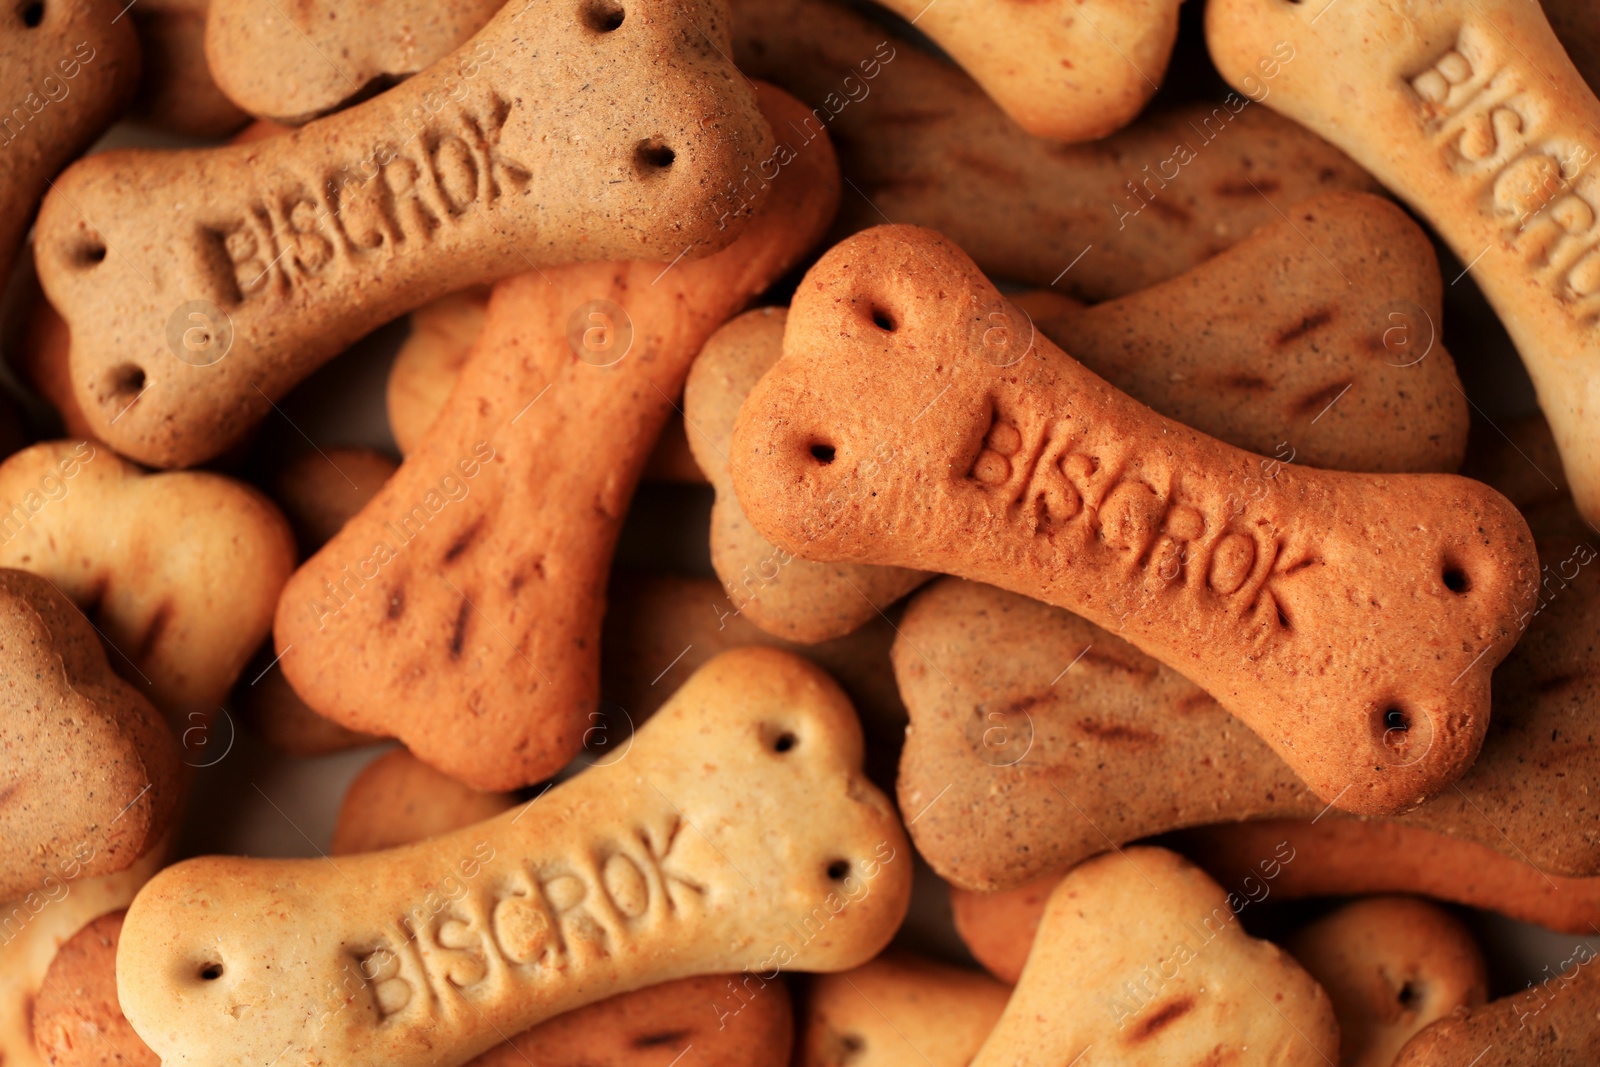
1351	620
470	590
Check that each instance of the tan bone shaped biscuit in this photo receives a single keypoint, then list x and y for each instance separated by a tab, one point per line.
899	1010
180	570
199	286
1391	966
767	850
1265	346
1069	71
292	65
66	70
429	612
90	777
793	598
1140	960
1028	721
1554	1024
1343	857
915	421
922	144
1472	113
429	363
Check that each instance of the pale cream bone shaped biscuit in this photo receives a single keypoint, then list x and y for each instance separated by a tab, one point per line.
66	70
199	286
179	571
89	774
295	62
1140	960
32	931
468	624
793	598
1351	619
318	492
1343	857
728	1020
768	850
1270	346
430	360
1554	1024
923	144
1030	759
78	1021
1391	966
899	1010
1068	70
1472	113
177	91
661	628
1577	24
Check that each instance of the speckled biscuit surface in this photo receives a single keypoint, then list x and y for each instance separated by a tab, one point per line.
1067	70
1318	338
899	1010
1140	958
1554	1024
1352	620
768	850
294	63
66	70
1473	114
89	781
460	611
201	285
922	144
179	570
76	1020
785	595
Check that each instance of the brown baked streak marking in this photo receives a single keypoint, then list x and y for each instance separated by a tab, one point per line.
1039	480
1535	180
395	195
542	923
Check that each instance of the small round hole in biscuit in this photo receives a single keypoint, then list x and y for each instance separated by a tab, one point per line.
883	320
127	380
1456	579
652	157
784	743
822	453
32	13
90	253
210	972
1409	995
838	869
603	16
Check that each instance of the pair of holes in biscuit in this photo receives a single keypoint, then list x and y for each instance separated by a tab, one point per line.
782	741
31	12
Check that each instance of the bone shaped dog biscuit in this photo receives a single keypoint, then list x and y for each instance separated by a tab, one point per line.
470	589
199	286
1472	113
1351	620
767	849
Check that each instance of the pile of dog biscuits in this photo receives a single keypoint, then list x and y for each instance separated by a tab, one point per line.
944	533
